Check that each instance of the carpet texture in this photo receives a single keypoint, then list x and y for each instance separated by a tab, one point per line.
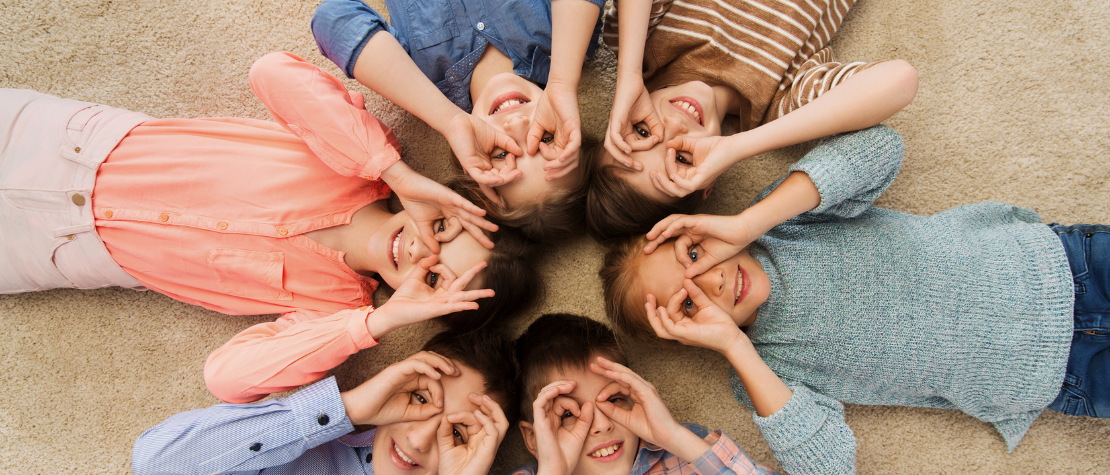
1011	108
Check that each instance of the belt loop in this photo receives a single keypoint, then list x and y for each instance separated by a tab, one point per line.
82	228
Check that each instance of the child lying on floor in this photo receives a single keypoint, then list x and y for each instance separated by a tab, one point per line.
683	66
975	308
584	412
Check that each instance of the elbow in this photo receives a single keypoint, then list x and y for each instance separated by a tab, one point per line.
225	383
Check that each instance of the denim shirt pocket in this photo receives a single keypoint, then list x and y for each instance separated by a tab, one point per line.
249	274
430	22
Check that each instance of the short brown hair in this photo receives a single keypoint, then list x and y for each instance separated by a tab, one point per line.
620	282
490	353
558	215
512	275
615	208
560	341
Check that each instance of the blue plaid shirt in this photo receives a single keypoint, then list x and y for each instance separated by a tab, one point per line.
445	38
723	457
303	433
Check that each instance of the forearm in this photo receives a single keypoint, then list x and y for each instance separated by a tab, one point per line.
794	196
281	355
863	100
387	69
632	16
572	25
765	389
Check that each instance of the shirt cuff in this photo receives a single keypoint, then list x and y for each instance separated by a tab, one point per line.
724	456
356	327
319	414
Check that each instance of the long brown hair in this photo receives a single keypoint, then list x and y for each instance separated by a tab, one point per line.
511	274
615	208
620	283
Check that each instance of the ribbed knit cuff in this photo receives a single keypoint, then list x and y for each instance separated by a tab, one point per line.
809	435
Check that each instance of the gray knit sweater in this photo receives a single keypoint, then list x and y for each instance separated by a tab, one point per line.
968	309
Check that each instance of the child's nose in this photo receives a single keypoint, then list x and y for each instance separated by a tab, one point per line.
674	126
422	435
601	424
712	281
517	128
417	250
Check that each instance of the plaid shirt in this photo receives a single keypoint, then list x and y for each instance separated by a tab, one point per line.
723	457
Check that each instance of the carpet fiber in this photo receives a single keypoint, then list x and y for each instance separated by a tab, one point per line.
1011	108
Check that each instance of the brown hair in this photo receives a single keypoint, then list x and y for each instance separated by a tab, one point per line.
620	282
616	208
511	274
557	215
490	353
560	341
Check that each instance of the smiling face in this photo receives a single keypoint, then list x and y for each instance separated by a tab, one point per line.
610	448
395	250
410	448
507	103
694	109
738	285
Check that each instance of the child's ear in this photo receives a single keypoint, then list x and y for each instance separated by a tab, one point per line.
705	192
529	437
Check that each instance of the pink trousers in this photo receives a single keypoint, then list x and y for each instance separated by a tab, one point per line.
50	149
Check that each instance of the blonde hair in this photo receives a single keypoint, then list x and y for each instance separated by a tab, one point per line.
620	278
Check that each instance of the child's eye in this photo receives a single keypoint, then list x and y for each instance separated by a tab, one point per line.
417	398
680	158
547	138
694	254
440	226
433	278
688	305
566	414
499	156
459	433
641	130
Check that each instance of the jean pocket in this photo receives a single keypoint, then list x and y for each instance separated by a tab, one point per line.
249	274
431	22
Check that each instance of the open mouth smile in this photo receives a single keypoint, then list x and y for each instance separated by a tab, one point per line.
399	458
690	107
395	250
507	102
607	452
741	286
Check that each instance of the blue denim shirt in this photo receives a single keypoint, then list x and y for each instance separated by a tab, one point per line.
446	38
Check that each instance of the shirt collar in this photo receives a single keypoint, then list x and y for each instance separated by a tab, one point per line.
646	457
361	439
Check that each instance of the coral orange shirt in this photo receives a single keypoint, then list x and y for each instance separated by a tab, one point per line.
213	212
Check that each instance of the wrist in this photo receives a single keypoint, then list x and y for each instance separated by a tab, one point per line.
350	402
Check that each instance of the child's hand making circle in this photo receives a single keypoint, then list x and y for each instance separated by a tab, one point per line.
408	390
430	291
561	427
707	325
716	237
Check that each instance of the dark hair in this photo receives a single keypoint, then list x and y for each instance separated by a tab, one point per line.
557	216
560	341
616	208
511	274
490	353
621	287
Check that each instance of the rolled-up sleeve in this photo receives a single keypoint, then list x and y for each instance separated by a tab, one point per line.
342	28
332	121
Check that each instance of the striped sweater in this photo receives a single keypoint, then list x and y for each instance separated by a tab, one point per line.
773	52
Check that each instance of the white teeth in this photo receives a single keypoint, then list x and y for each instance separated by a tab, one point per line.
605	451
510	102
739	285
402	455
689	108
396	250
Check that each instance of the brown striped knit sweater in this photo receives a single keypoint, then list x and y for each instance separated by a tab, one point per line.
773	52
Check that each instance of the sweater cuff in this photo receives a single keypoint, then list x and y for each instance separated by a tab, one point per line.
792	425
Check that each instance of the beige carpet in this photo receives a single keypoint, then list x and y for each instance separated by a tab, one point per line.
1011	108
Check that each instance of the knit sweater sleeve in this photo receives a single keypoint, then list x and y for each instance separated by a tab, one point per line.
850	171
809	434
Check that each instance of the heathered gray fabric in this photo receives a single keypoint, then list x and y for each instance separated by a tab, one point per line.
967	309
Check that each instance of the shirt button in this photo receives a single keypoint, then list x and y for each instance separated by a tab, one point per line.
480	26
77	149
163	217
255	447
108	214
323	419
364	307
221	226
69	237
78	200
369	456
282	231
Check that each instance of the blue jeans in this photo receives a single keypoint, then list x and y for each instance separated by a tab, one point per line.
1086	389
